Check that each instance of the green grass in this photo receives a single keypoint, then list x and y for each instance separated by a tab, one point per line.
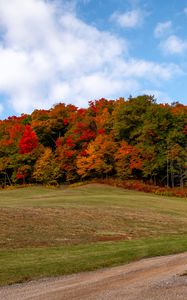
50	232
90	195
25	264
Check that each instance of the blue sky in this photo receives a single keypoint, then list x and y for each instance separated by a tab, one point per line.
74	51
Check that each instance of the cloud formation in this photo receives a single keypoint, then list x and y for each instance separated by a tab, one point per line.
162	29
1	108
48	54
170	43
173	45
130	19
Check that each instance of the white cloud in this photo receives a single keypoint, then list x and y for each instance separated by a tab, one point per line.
47	54
1	108
173	45
162	29
148	70
26	23
129	19
170	43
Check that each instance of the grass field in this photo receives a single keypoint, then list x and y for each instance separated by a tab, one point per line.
48	232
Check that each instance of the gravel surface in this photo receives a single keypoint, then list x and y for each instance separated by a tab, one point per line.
148	279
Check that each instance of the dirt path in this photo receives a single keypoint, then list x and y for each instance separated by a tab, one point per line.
149	279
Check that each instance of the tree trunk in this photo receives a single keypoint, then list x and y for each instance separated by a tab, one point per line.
172	175
167	172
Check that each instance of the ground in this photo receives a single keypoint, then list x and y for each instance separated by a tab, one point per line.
51	232
149	279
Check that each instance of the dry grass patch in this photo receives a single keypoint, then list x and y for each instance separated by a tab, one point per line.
36	227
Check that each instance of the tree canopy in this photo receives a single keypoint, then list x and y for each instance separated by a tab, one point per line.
135	138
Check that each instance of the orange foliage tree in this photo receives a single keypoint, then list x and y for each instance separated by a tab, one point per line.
99	158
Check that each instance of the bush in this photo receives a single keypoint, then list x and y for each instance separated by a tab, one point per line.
141	186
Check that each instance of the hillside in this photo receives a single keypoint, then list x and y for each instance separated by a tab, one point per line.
47	232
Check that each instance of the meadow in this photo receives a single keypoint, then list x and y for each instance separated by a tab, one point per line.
52	232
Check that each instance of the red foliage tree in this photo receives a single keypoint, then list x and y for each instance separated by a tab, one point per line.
29	140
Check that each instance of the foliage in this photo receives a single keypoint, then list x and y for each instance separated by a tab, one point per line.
98	159
46	169
127	139
140	186
29	140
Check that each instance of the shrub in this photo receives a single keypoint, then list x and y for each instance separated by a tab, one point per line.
141	186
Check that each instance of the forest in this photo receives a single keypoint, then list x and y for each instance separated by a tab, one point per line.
133	139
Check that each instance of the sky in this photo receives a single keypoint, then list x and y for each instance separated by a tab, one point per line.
74	51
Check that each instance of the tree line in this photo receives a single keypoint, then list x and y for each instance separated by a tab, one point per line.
135	138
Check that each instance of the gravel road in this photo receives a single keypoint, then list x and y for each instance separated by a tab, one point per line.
148	279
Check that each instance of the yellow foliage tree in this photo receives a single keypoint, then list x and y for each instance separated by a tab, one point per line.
46	169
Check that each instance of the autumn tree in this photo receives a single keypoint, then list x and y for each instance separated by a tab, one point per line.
128	117
132	138
66	155
99	158
29	140
46	169
127	160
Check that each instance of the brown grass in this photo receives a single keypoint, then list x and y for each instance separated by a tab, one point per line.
36	227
